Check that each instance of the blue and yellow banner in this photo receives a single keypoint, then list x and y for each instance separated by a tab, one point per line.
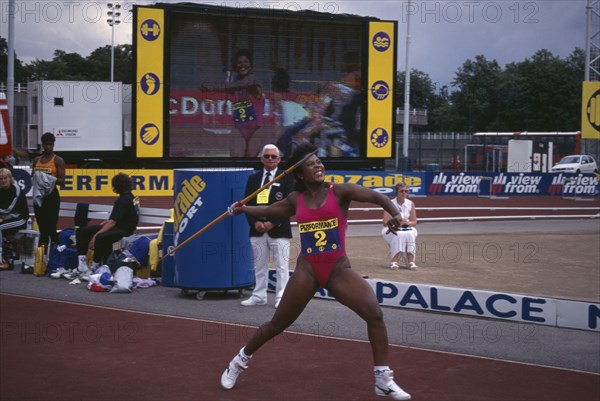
151	183
149	124
380	104
93	182
590	110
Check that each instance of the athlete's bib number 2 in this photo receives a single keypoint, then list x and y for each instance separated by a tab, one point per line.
321	242
320	237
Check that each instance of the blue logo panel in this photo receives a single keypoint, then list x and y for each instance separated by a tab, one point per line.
381	42
149	134
380	90
150	30
150	83
379	137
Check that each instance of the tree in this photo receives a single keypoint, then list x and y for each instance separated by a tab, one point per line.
475	100
20	73
441	116
73	67
542	93
576	61
424	94
63	66
99	61
422	90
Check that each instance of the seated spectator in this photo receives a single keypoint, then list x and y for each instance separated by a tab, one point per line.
14	212
404	242
122	222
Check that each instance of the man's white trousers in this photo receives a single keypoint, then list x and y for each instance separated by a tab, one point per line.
263	249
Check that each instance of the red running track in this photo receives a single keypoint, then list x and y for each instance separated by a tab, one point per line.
54	350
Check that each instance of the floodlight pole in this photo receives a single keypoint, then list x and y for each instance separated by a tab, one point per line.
113	19
10	70
407	85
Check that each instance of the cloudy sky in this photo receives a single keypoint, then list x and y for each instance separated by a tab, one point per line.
444	34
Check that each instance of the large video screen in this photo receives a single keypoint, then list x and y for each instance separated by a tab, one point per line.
240	82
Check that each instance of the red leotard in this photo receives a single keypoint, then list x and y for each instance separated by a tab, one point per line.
322	235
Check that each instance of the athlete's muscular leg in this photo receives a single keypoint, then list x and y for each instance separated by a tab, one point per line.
350	289
298	292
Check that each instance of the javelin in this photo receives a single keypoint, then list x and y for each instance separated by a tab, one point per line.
239	203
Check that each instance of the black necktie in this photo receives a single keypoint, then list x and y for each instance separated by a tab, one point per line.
267	177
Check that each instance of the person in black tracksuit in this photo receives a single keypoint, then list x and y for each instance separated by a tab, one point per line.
122	222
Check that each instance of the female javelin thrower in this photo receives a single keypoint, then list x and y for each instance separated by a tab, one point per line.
321	211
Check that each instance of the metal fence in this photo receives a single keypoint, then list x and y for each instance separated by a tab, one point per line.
434	150
459	151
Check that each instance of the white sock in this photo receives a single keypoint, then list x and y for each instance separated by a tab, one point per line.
378	370
245	358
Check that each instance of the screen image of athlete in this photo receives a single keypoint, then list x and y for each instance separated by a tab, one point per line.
321	211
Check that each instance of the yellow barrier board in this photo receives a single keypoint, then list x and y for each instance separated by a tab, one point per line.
149	183
97	182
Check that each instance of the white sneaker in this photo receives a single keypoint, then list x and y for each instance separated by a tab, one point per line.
394	266
72	275
385	386
412	266
61	271
253	301
229	377
76	273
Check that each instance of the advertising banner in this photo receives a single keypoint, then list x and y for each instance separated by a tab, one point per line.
96	182
380	181
512	184
485	304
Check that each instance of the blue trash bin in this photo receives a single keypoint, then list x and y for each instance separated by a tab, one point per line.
221	257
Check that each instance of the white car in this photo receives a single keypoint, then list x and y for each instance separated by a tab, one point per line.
576	164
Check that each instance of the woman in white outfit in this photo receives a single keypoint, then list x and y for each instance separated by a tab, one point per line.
403	241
